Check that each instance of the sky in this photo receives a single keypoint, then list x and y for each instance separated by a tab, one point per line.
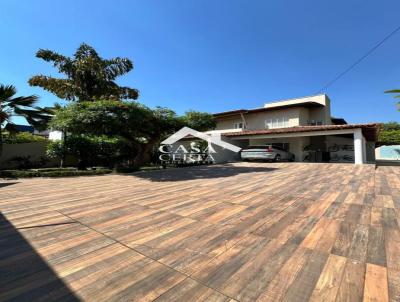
220	55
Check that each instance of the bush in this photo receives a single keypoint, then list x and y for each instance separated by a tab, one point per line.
390	136
91	150
22	137
63	172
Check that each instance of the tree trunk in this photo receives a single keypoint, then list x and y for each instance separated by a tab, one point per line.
64	140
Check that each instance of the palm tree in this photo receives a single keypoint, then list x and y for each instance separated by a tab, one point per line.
394	91
19	106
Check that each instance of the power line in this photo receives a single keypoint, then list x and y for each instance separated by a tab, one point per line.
358	61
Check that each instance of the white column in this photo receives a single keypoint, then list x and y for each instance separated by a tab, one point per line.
358	147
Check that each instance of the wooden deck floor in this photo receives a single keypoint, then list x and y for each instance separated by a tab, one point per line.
245	232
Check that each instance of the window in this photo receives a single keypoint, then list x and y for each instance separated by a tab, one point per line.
314	123
238	125
280	122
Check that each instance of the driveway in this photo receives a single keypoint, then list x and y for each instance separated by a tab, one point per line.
245	232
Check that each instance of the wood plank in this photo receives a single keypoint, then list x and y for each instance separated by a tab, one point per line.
246	231
376	286
376	251
352	286
329	281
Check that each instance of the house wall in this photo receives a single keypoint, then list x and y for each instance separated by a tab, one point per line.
296	144
388	152
35	151
257	120
370	151
304	116
227	122
297	116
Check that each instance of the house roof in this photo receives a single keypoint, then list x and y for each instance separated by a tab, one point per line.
19	128
370	131
261	109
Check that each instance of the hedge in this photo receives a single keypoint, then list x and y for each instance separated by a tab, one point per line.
390	136
22	137
51	173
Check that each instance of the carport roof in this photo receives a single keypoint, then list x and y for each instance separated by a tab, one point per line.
370	131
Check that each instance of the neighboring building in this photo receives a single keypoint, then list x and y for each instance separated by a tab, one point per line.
26	128
19	128
303	126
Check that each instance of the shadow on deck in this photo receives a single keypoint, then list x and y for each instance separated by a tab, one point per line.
24	274
200	172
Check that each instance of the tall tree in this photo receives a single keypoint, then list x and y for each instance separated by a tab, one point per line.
89	77
200	121
19	106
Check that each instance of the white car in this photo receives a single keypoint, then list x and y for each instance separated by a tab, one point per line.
268	152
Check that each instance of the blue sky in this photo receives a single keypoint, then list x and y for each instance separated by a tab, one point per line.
217	55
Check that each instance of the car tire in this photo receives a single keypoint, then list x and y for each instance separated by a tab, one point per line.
291	159
277	158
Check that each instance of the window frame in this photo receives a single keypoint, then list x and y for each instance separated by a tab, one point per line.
238	125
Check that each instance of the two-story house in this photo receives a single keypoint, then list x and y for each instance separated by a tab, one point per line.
303	126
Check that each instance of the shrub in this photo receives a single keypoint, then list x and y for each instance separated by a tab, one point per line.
63	172
390	136
22	137
91	150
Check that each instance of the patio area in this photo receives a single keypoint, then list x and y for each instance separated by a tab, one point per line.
233	232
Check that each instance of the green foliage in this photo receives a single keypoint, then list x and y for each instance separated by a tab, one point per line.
64	172
20	106
90	150
391	126
126	119
22	137
391	136
140	127
397	91
200	121
390	133
88	77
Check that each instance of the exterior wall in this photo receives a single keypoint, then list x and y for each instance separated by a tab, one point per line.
35	151
55	135
388	152
370	151
304	116
297	116
296	144
257	120
227	122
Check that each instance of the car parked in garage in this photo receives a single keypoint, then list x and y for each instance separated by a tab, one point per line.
268	152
